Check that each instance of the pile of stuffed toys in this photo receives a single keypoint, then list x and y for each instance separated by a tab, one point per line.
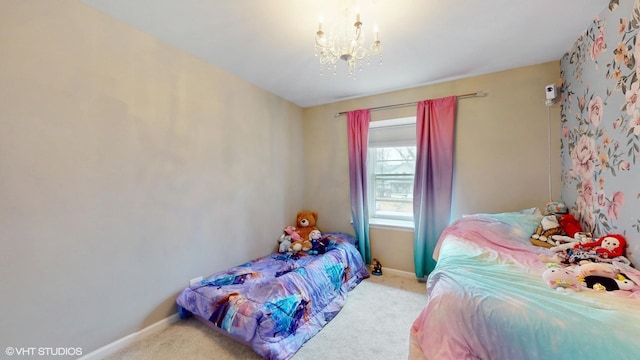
579	261
596	265
305	237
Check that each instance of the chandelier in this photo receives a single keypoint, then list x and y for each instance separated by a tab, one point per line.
345	40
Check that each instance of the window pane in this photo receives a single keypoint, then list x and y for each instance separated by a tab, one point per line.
393	169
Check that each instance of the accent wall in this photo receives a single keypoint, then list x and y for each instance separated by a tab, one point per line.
601	125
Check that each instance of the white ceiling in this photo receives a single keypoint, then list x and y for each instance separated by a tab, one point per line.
270	43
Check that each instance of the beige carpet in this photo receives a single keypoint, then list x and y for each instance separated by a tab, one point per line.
374	324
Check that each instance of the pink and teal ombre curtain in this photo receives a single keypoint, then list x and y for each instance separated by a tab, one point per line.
358	139
432	187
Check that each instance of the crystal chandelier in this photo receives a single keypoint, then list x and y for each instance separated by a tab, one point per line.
345	40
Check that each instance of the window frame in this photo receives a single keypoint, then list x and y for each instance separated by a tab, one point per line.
402	222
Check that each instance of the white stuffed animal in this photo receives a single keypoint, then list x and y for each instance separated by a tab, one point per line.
285	243
569	242
548	227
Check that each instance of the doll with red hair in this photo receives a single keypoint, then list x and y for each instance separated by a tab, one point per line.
605	249
608	248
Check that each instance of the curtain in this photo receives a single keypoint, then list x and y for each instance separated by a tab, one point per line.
432	188
358	138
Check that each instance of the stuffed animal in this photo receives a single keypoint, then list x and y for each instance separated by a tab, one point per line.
315	234
608	246
317	247
548	227
555	208
306	222
296	239
325	243
569	224
603	283
605	249
560	279
578	238
285	243
601	277
293	232
624	283
587	268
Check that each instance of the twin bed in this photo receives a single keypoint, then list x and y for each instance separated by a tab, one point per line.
276	303
487	300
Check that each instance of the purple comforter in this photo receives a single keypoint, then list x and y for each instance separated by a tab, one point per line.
278	302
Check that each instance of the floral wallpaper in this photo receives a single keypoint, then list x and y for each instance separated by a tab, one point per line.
600	99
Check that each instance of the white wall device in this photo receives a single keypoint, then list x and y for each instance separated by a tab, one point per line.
550	91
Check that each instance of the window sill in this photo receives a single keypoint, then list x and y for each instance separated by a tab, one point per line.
402	225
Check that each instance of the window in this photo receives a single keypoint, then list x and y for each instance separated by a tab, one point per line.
391	167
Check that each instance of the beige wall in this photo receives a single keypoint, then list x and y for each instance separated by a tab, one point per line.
501	160
127	168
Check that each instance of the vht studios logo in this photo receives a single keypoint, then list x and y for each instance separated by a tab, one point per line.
43	351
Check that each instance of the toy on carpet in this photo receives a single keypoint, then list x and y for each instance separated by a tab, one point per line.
377	267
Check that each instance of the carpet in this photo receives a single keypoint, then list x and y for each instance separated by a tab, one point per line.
374	324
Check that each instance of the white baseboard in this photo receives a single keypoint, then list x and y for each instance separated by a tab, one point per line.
119	344
400	273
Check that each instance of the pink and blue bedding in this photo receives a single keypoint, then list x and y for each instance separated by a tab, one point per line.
487	300
277	302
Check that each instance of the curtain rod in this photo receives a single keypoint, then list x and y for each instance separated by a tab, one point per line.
463	96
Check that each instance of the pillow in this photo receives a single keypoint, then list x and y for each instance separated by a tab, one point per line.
522	224
531	211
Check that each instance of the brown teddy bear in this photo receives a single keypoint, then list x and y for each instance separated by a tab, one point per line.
305	224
